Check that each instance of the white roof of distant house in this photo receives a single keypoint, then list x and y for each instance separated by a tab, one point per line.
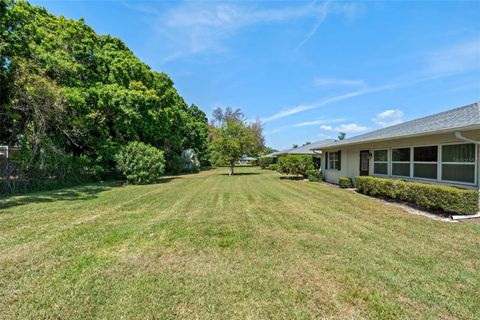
466	117
247	158
305	149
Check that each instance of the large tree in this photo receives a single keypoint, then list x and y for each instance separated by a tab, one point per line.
232	137
106	96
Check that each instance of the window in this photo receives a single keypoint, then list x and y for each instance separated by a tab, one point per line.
334	160
380	162
458	162
425	162
401	162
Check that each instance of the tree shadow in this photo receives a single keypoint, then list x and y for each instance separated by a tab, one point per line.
82	192
242	174
292	178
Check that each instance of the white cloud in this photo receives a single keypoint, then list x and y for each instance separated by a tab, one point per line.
389	117
340	82
455	58
316	122
294	110
202	27
347	128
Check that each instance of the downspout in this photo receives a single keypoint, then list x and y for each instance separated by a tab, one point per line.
458	135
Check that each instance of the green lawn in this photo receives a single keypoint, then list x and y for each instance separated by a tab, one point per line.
251	246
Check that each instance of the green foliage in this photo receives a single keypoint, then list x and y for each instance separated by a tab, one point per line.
87	93
273	167
314	175
297	165
345	182
233	137
264	162
140	163
433	197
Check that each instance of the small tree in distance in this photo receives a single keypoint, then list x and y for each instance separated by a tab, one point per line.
231	137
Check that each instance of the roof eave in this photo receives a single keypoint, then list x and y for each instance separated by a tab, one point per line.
428	133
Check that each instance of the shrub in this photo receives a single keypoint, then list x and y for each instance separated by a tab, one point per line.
314	175
265	162
295	164
140	163
273	167
433	197
345	182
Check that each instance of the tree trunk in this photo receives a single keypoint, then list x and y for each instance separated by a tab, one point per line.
232	163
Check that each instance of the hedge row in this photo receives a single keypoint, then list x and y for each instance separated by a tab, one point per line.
433	197
264	162
345	182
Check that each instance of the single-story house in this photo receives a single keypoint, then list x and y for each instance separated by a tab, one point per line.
441	149
307	149
246	159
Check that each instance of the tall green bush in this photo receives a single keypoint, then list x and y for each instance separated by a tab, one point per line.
140	163
264	162
433	197
297	165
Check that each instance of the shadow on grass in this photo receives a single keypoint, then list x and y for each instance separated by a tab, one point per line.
241	174
81	192
292	178
72	193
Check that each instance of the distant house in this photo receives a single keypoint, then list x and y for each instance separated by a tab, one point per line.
305	149
246	159
441	148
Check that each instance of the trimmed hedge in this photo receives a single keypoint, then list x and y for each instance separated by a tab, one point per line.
345	182
314	175
433	197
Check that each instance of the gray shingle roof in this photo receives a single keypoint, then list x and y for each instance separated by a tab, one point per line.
463	117
306	149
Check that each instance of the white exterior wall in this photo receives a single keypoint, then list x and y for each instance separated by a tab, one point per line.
350	156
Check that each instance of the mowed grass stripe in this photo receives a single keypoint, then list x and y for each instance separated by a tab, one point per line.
251	246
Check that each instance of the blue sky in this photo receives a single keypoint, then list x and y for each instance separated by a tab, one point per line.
306	69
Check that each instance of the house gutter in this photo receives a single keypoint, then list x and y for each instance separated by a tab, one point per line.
458	135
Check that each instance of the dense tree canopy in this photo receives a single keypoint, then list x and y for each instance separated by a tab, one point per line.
64	86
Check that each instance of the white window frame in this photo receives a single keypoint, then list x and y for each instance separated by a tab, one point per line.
329	167
439	164
386	162
404	162
412	158
460	163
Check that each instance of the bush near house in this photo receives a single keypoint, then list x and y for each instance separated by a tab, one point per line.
345	182
140	163
297	165
433	197
273	167
314	175
265	162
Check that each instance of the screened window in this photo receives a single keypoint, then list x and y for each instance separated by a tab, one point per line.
425	161
380	162
334	160
401	162
458	162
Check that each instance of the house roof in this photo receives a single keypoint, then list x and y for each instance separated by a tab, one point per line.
465	117
305	149
247	158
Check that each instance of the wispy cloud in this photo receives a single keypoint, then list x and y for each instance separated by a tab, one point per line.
389	117
297	109
322	15
337	82
317	122
203	27
454	59
347	128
